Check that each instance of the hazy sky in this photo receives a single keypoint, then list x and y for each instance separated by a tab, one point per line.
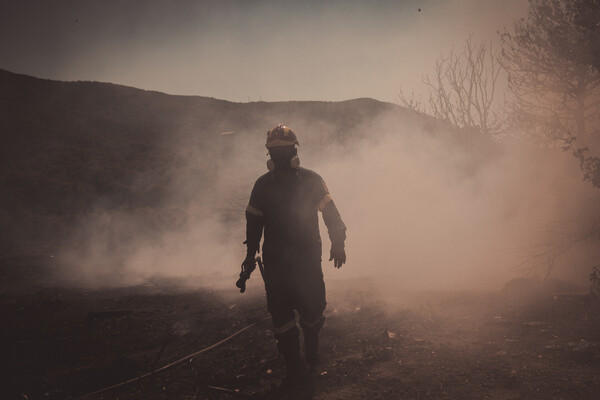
244	50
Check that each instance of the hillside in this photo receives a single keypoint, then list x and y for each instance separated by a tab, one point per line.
122	215
69	148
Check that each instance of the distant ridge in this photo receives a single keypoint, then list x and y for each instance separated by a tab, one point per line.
42	109
68	146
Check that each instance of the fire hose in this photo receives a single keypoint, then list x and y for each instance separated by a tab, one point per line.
179	361
247	269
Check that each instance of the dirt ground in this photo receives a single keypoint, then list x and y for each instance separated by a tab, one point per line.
60	342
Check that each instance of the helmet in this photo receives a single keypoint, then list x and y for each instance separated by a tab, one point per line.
281	135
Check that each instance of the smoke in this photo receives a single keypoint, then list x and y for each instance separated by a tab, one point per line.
425	212
427	207
189	235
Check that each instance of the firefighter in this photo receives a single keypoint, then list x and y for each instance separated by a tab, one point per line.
284	204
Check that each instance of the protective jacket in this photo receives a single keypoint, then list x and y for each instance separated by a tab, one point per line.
286	205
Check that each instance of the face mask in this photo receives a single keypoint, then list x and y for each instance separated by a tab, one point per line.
282	160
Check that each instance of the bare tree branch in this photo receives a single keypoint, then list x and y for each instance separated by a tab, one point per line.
463	87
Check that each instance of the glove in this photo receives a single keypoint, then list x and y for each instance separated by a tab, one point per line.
249	262
248	266
338	255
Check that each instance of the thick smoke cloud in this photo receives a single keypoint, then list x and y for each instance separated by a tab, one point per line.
428	214
426	209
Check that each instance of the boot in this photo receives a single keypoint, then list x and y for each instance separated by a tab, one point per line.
311	341
288	345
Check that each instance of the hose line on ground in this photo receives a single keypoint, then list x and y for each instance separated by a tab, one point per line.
179	361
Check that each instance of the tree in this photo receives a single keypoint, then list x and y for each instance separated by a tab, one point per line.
553	68
588	164
555	87
463	89
587	17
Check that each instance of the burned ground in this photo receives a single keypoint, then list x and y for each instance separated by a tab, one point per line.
63	342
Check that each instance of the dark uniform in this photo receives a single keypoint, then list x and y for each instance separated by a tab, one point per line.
286	206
